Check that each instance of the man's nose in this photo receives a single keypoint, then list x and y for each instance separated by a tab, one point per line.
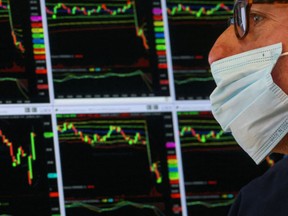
225	45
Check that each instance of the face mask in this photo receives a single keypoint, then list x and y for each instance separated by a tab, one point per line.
248	103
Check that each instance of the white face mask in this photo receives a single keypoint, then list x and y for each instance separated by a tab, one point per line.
248	103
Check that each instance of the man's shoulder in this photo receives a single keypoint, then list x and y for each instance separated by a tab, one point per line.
276	176
265	195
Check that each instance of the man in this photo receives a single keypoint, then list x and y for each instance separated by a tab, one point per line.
249	63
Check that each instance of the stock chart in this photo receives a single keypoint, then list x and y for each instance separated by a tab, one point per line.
28	173
119	164
23	72
214	166
107	48
193	28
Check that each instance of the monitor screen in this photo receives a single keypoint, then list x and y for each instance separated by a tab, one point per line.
104	110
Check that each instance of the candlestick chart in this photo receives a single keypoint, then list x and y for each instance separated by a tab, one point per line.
22	68
194	26
28	172
214	166
117	163
107	48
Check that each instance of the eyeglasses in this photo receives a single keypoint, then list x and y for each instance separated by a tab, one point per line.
241	17
241	14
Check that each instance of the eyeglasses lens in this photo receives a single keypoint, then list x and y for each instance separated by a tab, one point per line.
241	19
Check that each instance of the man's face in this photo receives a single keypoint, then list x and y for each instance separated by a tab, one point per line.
268	25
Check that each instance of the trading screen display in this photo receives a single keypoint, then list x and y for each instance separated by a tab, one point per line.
122	164
104	110
194	27
23	72
213	164
107	48
28	171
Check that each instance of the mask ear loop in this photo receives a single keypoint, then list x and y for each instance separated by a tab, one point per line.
284	54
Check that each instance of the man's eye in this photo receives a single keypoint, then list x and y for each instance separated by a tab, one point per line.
256	18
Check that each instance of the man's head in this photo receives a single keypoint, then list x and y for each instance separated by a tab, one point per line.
268	24
256	24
